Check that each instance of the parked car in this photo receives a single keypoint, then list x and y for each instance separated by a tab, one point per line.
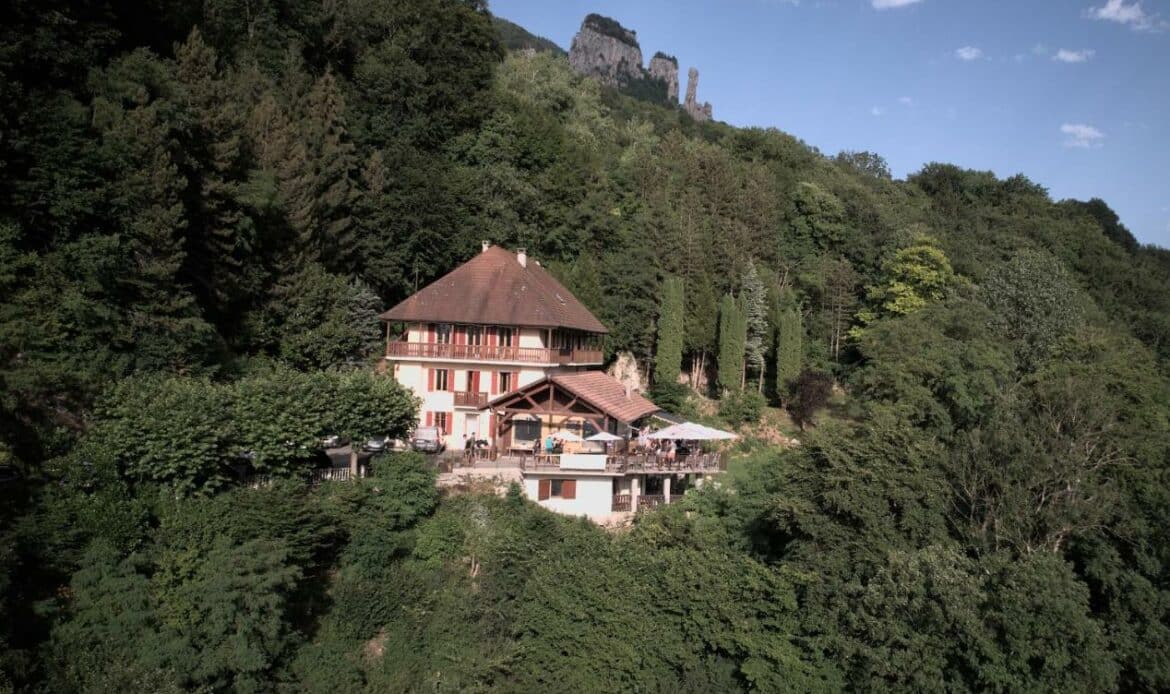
376	444
334	441
427	440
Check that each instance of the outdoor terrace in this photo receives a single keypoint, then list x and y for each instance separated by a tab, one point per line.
622	464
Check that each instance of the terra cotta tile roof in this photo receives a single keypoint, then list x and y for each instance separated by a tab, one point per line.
600	390
493	288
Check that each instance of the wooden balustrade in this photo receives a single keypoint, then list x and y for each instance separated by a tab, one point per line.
646	501
634	463
621	502
537	355
469	399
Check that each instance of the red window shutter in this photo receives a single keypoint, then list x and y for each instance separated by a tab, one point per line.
491	336
430	380
430	419
495	382
447	424
474	382
569	489
450	379
515	384
543	489
430	332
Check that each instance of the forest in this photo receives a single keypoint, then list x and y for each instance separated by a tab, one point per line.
203	208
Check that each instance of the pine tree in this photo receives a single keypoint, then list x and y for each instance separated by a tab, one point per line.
789	332
732	339
331	231
755	316
668	358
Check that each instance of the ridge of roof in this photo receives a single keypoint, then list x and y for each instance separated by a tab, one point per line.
598	389
494	288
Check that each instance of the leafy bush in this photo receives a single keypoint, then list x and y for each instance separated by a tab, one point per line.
742	406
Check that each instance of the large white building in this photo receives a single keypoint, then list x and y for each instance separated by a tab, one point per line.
497	349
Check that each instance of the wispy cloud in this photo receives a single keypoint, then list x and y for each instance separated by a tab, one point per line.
892	4
968	53
877	111
1082	136
906	101
1064	55
1129	14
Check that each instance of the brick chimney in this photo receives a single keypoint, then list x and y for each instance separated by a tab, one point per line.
522	257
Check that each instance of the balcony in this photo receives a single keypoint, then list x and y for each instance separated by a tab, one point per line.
399	349
624	464
469	399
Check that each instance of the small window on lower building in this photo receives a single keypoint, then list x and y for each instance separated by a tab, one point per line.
558	488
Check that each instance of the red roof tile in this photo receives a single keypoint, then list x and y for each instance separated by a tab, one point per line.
600	390
493	288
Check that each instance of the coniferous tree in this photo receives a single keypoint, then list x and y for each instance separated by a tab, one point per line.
330	229
668	358
701	327
755	316
788	350
732	338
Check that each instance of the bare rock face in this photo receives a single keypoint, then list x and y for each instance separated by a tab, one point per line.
625	369
700	112
665	67
605	49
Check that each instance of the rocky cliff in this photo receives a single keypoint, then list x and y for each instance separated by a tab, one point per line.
665	67
700	112
608	51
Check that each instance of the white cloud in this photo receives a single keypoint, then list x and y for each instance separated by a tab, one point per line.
968	53
905	101
1082	136
1064	55
878	111
892	4
1040	49
1129	14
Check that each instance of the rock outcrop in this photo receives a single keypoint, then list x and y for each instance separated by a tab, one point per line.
665	67
700	112
606	50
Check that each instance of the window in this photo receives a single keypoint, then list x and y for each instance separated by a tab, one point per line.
443	422
525	430
506	382
505	337
442	333
474	335
442	379
556	489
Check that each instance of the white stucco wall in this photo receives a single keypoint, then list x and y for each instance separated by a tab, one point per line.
594	496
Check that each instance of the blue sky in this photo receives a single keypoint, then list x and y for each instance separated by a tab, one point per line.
1075	94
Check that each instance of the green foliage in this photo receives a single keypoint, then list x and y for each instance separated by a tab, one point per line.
669	346
810	392
732	343
742	406
1034	303
789	356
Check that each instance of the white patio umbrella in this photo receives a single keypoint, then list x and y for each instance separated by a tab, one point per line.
693	431
603	436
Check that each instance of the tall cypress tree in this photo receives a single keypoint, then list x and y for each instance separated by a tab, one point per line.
732	339
668	358
755	316
788	350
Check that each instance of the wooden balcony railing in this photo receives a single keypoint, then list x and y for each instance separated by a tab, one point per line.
621	502
469	399
536	355
646	501
624	463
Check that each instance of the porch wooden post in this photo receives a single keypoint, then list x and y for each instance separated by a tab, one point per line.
635	492
666	489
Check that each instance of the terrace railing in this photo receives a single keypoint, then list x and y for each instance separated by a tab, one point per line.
634	463
399	349
469	399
